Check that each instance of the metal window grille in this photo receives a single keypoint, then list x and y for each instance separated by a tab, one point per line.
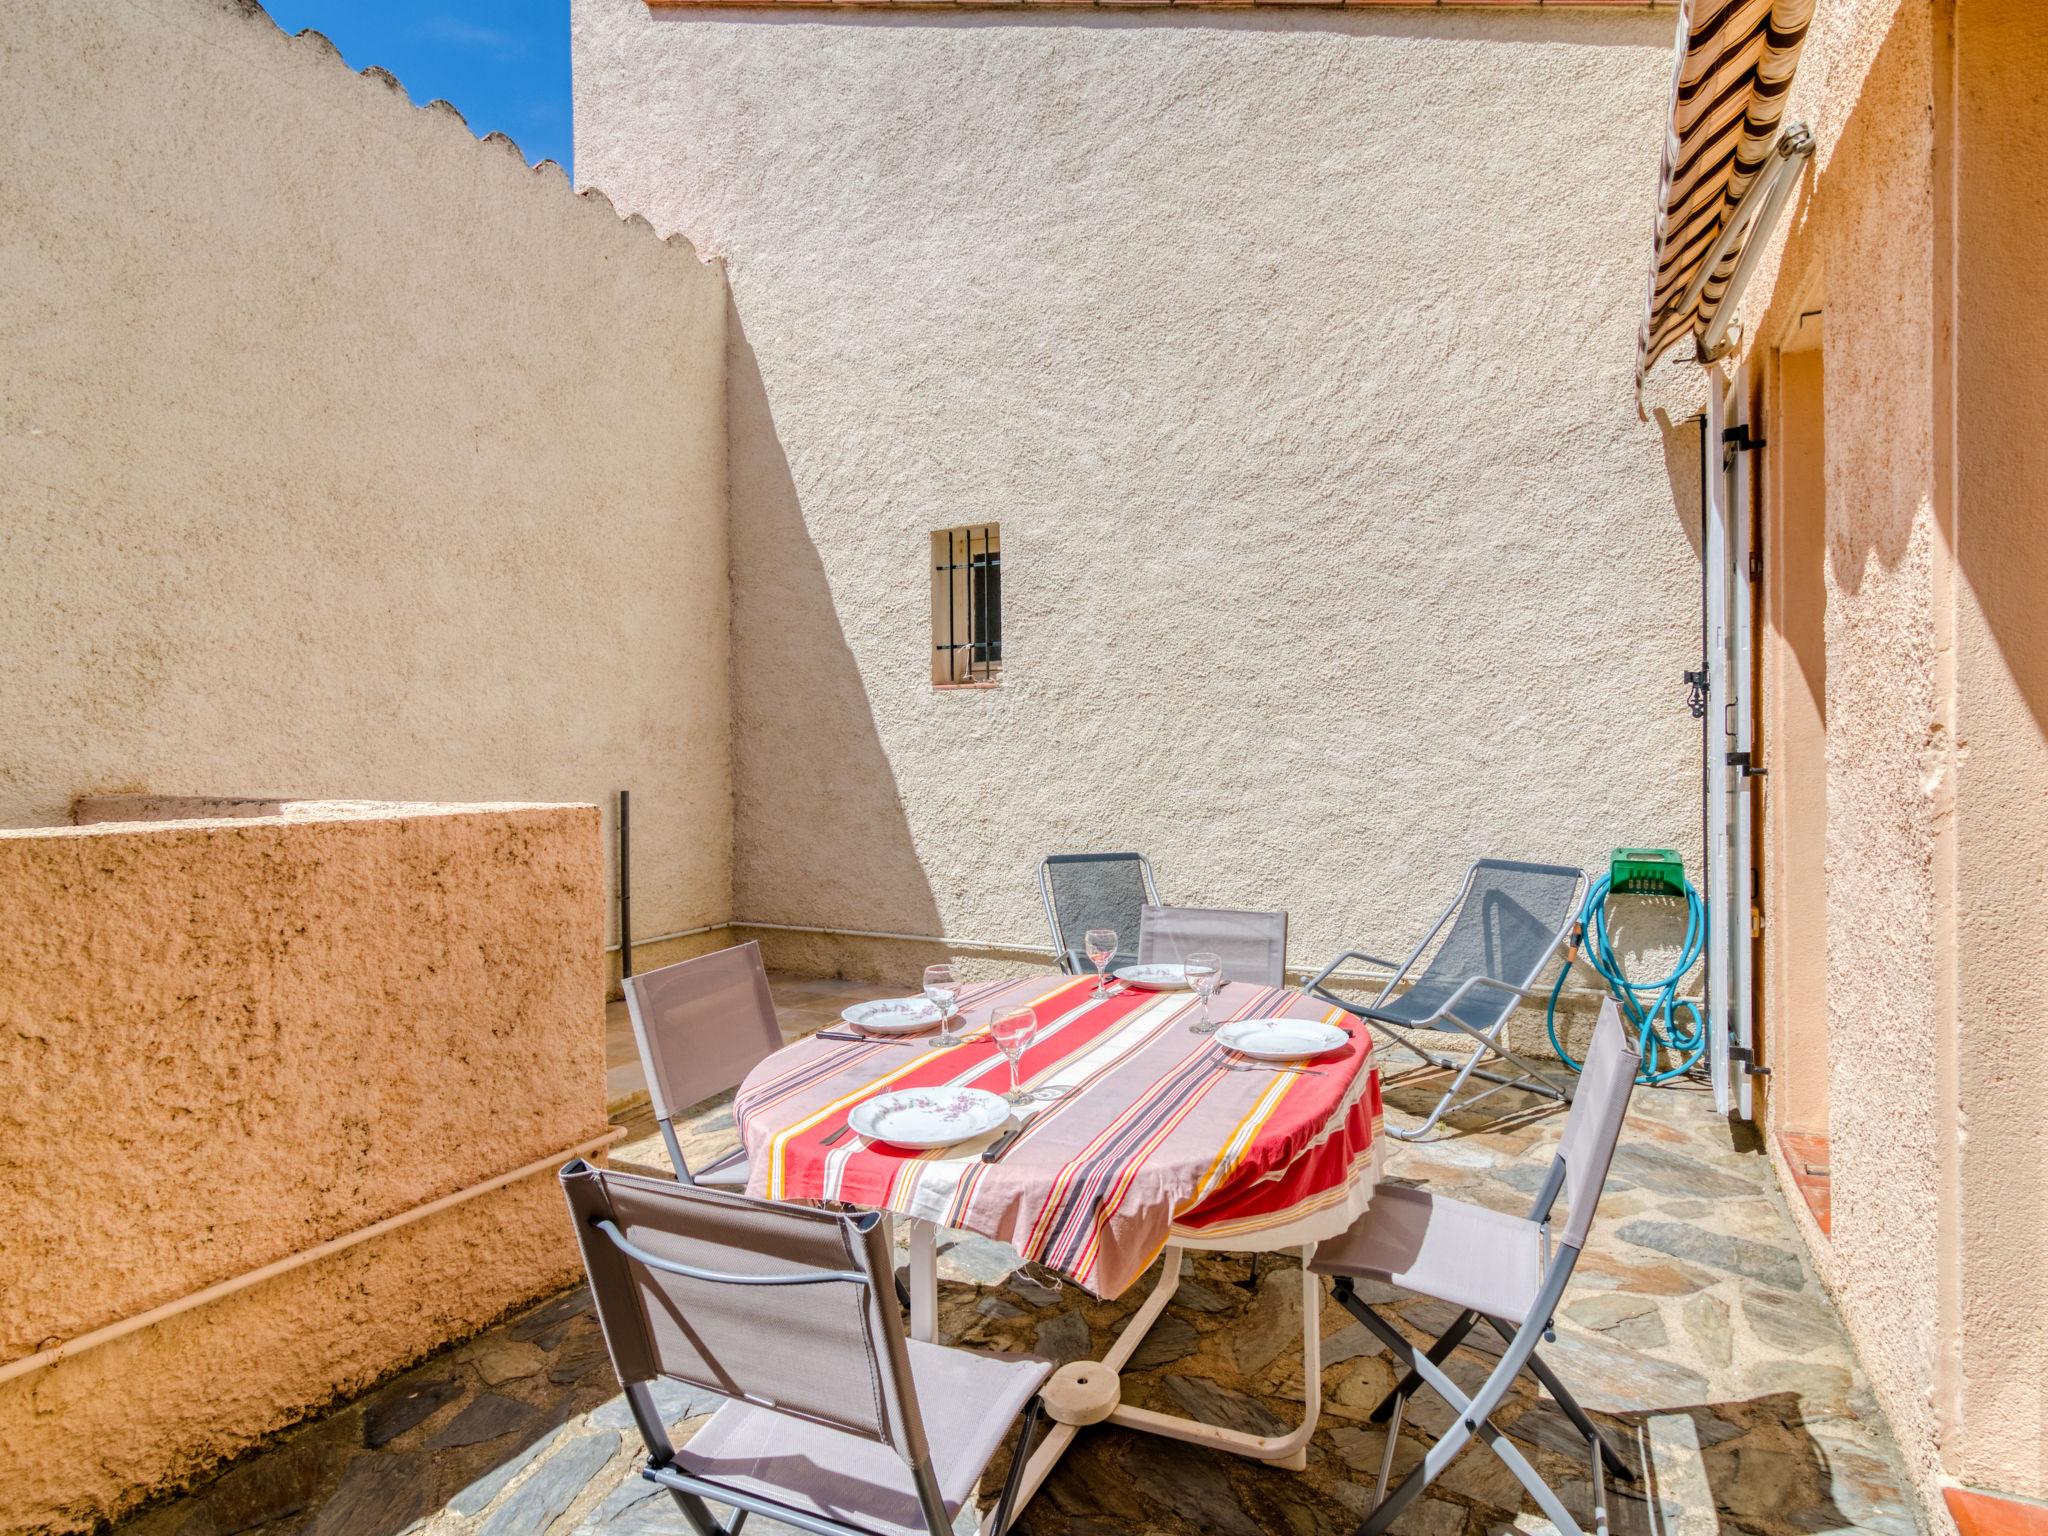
967	604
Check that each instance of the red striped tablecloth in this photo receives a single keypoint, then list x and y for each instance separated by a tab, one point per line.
1153	1142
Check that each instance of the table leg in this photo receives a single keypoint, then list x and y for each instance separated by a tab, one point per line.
1289	1450
924	1280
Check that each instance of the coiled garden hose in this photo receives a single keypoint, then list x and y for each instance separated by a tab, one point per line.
1668	1047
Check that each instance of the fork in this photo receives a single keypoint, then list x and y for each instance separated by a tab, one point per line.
835	1135
1253	1066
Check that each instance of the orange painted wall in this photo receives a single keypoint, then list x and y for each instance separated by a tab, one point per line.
241	1039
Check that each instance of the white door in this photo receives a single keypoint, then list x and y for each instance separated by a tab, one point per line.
1730	739
1741	461
1718	562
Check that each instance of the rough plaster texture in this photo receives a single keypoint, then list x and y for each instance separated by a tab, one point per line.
1291	353
1999	112
1919	231
231	1041
342	455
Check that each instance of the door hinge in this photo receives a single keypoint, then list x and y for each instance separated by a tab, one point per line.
1756	565
1744	1057
1738	438
1740	762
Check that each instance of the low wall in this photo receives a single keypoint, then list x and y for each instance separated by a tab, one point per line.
241	1040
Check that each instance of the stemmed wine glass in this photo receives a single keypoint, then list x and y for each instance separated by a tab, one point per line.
1101	945
942	986
1014	1029
1205	974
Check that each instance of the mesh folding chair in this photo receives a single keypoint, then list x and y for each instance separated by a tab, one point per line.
1251	945
1095	890
1505	926
1505	1271
702	1025
834	1422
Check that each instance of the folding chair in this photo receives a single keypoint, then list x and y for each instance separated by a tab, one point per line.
834	1422
702	1025
1506	1271
1094	890
1251	945
1505	925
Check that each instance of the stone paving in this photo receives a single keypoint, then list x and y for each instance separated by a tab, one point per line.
1694	1329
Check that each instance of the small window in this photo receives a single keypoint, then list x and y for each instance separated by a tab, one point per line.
967	605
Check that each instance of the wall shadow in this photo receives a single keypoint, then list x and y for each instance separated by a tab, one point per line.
818	821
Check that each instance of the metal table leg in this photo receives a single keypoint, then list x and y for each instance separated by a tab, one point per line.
1289	1450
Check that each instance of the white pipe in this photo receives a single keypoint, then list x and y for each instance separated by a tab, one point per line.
127	1325
905	938
680	933
1043	949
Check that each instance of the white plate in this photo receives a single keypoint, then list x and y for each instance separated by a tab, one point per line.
1281	1039
928	1117
1153	978
893	1015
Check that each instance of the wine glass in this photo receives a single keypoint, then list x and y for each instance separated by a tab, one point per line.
942	986
1205	975
1101	945
1014	1029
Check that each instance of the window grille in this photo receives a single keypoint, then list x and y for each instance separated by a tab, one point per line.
967	605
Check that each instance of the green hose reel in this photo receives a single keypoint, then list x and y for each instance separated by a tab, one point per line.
1647	872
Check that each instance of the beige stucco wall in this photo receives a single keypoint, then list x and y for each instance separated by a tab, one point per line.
1291	353
1919	231
342	455
231	1041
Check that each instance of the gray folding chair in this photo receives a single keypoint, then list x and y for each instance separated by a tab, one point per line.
1505	926
1507	1271
1251	945
702	1025
1094	890
834	1421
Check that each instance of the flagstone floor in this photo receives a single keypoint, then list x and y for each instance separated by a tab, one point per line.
1694	1329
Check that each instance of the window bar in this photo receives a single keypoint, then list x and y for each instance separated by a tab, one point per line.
972	648
952	629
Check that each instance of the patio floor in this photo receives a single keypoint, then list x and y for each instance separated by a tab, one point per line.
1694	1329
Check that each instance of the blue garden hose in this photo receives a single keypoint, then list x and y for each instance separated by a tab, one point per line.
1667	1046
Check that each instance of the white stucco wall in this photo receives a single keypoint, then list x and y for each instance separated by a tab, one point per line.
1292	353
342	455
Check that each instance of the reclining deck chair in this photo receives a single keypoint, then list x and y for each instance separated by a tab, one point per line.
1095	890
834	1421
1505	1270
702	1025
1505	926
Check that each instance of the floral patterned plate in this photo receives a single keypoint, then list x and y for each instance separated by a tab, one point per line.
893	1015
928	1117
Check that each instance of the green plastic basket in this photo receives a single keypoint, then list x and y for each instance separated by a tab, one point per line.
1647	872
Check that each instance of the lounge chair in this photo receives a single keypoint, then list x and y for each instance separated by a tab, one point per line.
1094	890
1505	926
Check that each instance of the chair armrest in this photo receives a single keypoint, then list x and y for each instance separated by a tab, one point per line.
1353	954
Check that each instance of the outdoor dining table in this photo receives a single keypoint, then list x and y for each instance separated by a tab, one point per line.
1156	1143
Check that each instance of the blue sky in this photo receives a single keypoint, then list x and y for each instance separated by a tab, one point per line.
504	63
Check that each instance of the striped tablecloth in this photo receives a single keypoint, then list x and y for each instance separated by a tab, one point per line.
1153	1142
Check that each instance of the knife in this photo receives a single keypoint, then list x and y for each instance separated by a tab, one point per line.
995	1149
